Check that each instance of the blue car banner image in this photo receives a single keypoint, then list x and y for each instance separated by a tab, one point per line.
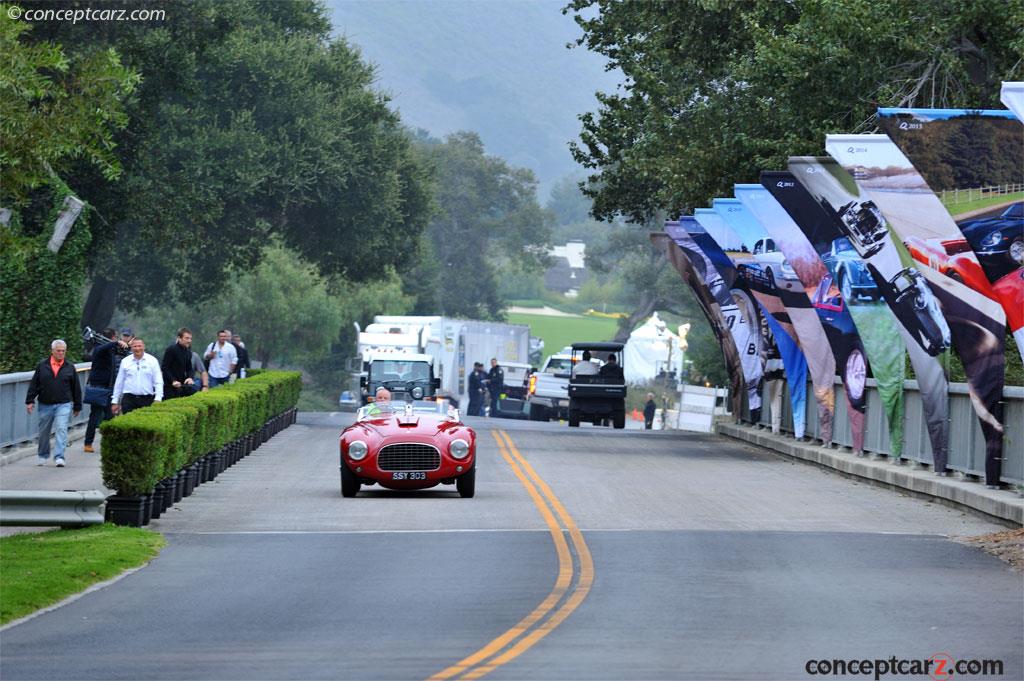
822	189
842	296
765	277
712	312
794	367
716	283
753	357
1012	96
737	331
977	322
958	152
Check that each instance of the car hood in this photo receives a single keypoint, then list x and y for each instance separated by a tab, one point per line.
426	425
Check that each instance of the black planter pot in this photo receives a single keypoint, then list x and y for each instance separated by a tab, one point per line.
212	465
169	487
127	511
191	476
180	479
157	507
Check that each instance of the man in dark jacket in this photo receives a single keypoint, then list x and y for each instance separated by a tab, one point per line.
56	385
101	384
649	408
243	356
495	384
612	369
476	389
177	366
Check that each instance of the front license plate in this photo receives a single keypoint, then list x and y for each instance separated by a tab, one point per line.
409	475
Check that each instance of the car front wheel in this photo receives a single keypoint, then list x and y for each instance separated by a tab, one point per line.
349	482
466	483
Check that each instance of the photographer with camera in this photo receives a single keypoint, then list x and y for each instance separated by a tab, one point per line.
100	387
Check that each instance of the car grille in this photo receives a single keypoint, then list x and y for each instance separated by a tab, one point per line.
409	456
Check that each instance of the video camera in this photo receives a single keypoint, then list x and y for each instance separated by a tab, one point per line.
92	339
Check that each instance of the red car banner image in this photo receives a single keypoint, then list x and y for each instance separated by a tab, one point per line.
971	158
976	320
794	364
846	303
766	271
711	311
711	233
1012	96
823	191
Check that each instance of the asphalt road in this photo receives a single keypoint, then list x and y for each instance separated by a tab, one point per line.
672	557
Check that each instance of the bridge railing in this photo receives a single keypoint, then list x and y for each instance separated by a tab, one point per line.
966	445
16	424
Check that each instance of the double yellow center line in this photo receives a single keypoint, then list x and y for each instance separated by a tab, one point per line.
565	596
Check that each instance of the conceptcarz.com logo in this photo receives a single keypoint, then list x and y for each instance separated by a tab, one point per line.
940	667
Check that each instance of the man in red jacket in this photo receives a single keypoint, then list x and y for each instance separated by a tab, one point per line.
55	383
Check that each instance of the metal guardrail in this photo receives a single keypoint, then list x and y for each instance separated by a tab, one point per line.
17	425
51	509
966	446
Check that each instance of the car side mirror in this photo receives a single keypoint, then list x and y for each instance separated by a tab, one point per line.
362	381
437	383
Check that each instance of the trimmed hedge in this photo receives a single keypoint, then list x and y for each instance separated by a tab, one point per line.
149	444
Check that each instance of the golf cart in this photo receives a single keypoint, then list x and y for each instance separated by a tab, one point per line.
597	397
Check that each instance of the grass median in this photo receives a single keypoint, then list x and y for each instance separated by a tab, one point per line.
42	568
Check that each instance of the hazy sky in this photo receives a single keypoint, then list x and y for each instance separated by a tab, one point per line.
499	68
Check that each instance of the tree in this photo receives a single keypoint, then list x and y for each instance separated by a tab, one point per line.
716	91
251	121
487	217
55	109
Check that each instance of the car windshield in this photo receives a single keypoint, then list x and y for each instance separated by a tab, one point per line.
1015	211
558	365
376	410
399	370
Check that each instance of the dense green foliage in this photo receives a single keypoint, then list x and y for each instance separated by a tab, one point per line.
717	91
40	291
487	218
250	120
146	445
41	568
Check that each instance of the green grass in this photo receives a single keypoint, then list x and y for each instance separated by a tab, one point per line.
42	568
967	206
558	332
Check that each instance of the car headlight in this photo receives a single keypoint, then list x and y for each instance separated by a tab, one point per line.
992	239
357	450
417	393
459	449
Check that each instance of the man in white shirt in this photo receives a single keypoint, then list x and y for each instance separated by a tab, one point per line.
222	357
140	380
585	367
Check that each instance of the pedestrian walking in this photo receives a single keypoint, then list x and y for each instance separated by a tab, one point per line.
100	386
200	378
649	408
476	390
139	382
774	378
222	358
55	385
243	356
177	366
495	384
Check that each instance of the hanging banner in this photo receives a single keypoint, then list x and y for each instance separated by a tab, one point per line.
767	271
796	370
975	161
846	303
712	312
977	322
822	188
707	230
1012	97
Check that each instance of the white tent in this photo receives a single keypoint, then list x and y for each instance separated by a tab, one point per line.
653	348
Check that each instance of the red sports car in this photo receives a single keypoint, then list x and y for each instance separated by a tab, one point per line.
952	257
399	446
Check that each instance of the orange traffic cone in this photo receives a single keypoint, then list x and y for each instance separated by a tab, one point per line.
636	414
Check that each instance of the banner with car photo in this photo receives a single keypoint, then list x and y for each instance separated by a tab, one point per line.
975	319
712	312
833	193
794	366
831	275
975	161
766	271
